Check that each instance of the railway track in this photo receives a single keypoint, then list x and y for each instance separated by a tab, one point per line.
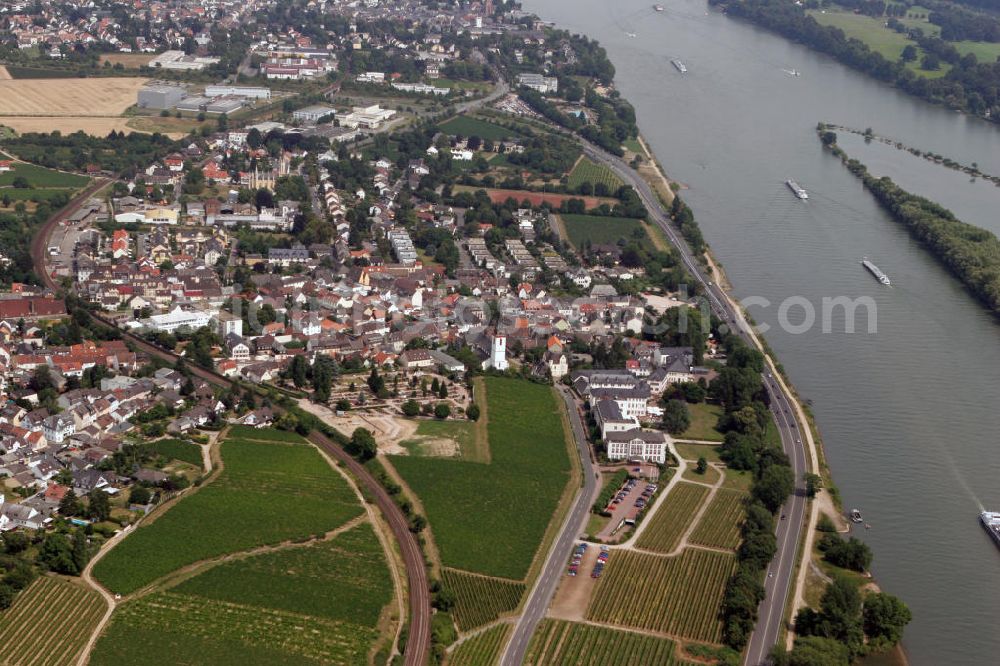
419	638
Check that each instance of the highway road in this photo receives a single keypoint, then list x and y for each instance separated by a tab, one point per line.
418	642
552	571
780	577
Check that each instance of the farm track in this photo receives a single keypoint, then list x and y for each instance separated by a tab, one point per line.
418	643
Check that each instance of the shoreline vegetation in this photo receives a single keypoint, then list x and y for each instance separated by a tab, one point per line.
934	158
968	85
970	253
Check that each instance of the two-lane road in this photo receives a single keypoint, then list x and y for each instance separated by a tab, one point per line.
780	576
545	586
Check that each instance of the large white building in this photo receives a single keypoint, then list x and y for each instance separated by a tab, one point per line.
179	318
636	444
367	117
254	92
542	84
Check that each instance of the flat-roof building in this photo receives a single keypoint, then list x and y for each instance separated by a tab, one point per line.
159	96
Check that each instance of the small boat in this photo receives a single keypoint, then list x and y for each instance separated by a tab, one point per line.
797	189
679	65
792	72
658	8
630	34
876	271
856	516
991	523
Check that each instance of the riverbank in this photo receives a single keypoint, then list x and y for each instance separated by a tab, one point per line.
827	503
970	253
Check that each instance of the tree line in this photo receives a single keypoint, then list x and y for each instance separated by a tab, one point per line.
968	86
971	253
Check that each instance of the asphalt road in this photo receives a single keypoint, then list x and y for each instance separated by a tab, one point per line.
418	642
558	558
781	572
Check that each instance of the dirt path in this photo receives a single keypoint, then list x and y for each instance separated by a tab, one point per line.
674	480
4	74
87	577
430	545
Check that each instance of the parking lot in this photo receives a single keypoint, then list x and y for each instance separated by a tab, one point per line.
631	500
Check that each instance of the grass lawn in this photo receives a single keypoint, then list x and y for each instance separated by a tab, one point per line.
880	39
737	480
710	476
177	449
267	492
604	230
596	523
634	146
490	519
470	126
39	176
704	417
463	433
986	52
692	452
587	171
34	194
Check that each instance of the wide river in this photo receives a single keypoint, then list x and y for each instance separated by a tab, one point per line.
910	414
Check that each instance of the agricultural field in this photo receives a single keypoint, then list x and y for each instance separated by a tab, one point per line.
178	449
720	526
604	230
49	623
673	518
497	195
587	171
38	176
470	126
674	595
93	125
68	97
491	518
482	649
479	599
317	604
173	127
560	642
128	60
268	492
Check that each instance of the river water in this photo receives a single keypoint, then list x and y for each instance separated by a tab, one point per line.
909	414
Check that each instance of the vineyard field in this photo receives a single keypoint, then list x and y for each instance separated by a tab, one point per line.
318	604
481	650
49	623
720	526
560	642
268	492
587	171
672	519
178	449
674	595
480	600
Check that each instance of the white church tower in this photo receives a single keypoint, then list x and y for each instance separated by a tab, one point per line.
498	353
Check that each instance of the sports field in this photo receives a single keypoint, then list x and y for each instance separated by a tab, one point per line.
469	126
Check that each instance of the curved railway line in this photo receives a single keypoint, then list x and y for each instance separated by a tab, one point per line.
418	642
